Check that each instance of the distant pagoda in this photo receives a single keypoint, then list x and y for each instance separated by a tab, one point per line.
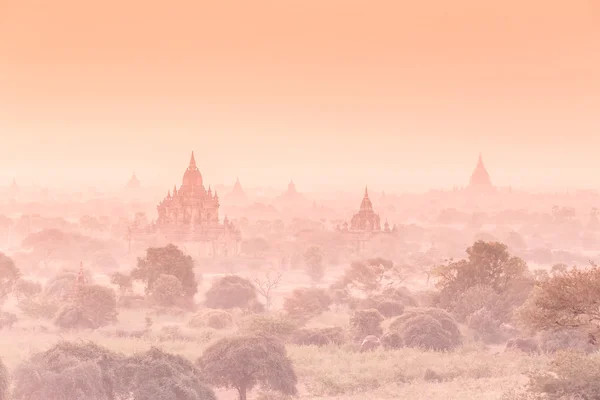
480	181
134	182
237	194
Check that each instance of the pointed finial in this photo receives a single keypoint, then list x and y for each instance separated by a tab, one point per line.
192	162
366	191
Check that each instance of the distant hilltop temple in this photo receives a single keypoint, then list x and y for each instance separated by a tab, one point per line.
480	181
191	214
133	183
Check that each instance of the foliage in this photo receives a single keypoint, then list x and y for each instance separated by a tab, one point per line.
162	376
571	375
486	327
429	328
319	336
552	341
39	307
26	289
169	260
488	264
392	341
4	381
305	303
276	325
474	299
216	319
93	306
68	371
167	291
390	308
7	319
372	275
366	322
315	268
568	299
231	291
124	282
9	274
242	362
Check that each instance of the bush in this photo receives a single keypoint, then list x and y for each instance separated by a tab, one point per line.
486	328
319	336
231	291
280	326
473	299
166	291
392	341
7	320
570	375
26	289
390	308
216	319
553	341
39	307
4	381
429	328
93	306
526	345
305	303
365	323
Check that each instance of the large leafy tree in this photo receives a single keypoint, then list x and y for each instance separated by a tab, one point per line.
372	275
168	260
242	362
565	300
487	264
9	274
313	258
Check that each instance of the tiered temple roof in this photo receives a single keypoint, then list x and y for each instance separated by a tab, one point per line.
480	179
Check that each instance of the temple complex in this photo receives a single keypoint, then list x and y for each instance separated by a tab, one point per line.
190	214
480	179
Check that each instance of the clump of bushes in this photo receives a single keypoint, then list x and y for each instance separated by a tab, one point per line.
305	303
552	341
474	299
232	291
486	328
319	336
92	307
365	323
277	325
167	291
427	328
216	319
392	340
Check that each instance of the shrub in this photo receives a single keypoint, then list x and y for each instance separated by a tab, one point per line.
474	299
280	326
429	328
7	320
366	322
166	291
392	341
93	306
526	345
390	308
486	328
570	375
305	303
39	307
231	291
216	319
552	341
4	381
319	336
26	289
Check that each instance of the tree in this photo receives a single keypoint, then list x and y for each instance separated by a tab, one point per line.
266	284
242	362
93	306
167	291
313	258
566	300
26	289
169	260
488	264
255	246
4	381
123	281
9	274
231	291
373	275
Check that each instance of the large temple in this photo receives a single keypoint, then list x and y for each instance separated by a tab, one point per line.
480	181
191	214
365	224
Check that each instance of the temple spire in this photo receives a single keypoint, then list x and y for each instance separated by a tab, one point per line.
192	162
366	191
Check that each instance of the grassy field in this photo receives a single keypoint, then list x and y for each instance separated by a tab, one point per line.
471	372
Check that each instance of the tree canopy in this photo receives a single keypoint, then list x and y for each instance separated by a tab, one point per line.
242	362
9	274
168	260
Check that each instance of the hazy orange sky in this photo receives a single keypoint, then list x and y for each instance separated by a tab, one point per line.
396	94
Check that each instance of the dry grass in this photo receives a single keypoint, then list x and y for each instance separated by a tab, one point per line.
471	372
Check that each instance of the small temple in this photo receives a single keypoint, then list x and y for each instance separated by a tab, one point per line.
291	197
480	181
191	214
237	194
133	183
